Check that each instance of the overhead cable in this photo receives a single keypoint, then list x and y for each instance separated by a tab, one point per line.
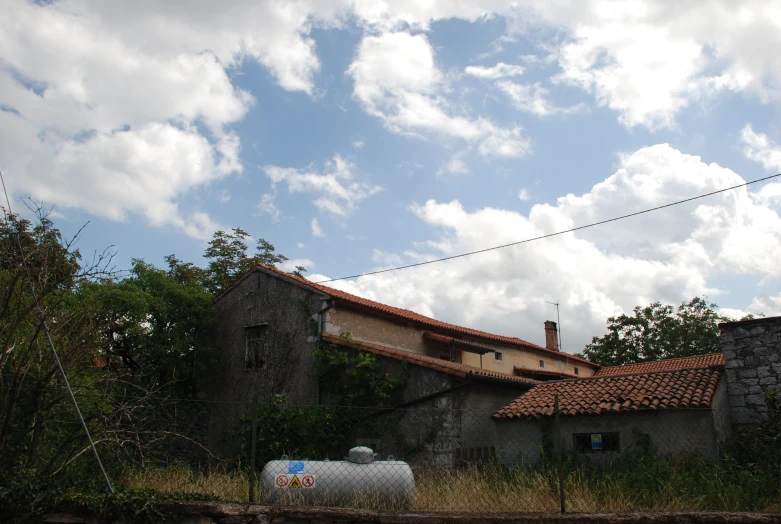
586	226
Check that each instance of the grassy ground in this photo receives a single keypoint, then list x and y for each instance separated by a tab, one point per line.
476	489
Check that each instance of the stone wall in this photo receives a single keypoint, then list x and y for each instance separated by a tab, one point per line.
286	308
671	432
752	355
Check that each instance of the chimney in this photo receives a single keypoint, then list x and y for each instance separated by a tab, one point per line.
551	336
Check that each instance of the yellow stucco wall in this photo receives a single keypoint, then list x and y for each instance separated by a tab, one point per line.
363	326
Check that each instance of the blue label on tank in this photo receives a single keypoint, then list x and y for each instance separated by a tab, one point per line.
295	467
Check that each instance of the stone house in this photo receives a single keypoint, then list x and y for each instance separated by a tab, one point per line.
678	406
271	322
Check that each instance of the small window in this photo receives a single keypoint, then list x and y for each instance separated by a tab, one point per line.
577	371
596	442
498	356
542	364
255	346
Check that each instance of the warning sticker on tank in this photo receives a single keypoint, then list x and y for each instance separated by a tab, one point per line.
294	482
308	481
295	467
281	481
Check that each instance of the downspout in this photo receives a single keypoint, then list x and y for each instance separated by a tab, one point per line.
320	319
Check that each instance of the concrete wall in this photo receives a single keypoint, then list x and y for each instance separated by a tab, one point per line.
290	343
752	355
364	326
671	433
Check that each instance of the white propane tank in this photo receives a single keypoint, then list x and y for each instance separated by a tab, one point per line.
334	480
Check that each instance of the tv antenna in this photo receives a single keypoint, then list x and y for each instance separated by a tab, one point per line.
558	322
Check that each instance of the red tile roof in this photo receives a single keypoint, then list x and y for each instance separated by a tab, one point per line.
444	366
685	388
406	314
670	364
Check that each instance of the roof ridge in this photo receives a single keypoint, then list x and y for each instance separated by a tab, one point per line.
404	313
653	372
664	360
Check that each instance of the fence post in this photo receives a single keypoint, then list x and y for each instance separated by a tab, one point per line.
558	451
253	447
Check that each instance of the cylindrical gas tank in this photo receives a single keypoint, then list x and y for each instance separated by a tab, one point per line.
334	480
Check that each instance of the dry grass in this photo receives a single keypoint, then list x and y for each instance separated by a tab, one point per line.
470	489
179	479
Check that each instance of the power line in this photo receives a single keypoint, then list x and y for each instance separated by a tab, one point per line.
549	234
54	350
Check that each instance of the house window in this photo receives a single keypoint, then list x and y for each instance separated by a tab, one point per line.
577	371
255	345
596	442
542	364
498	356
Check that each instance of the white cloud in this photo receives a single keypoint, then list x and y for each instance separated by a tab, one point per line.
268	206
760	148
645	59
223	196
358	144
500	70
129	104
84	76
533	98
454	166
648	61
396	80
289	266
338	192
316	230
524	195
594	273
111	175
300	245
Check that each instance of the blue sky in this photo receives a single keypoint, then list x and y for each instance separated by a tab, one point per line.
359	136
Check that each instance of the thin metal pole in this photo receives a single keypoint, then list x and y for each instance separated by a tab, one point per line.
558	452
253	448
56	356
558	323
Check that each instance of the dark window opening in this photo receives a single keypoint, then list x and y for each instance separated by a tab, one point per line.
444	357
498	356
542	363
577	371
255	346
596	442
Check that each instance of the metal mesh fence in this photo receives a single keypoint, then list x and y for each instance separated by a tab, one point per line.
464	460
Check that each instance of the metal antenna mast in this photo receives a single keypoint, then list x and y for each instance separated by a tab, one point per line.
558	322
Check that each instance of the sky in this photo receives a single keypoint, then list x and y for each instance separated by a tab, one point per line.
358	136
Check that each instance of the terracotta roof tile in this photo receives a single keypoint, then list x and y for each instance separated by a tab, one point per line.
443	366
670	364
404	313
683	388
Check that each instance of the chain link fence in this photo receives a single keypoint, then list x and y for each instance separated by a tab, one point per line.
466	460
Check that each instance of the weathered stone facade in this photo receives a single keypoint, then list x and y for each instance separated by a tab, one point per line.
752	360
440	415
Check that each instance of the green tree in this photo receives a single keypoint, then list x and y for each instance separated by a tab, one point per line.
657	332
228	259
157	323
